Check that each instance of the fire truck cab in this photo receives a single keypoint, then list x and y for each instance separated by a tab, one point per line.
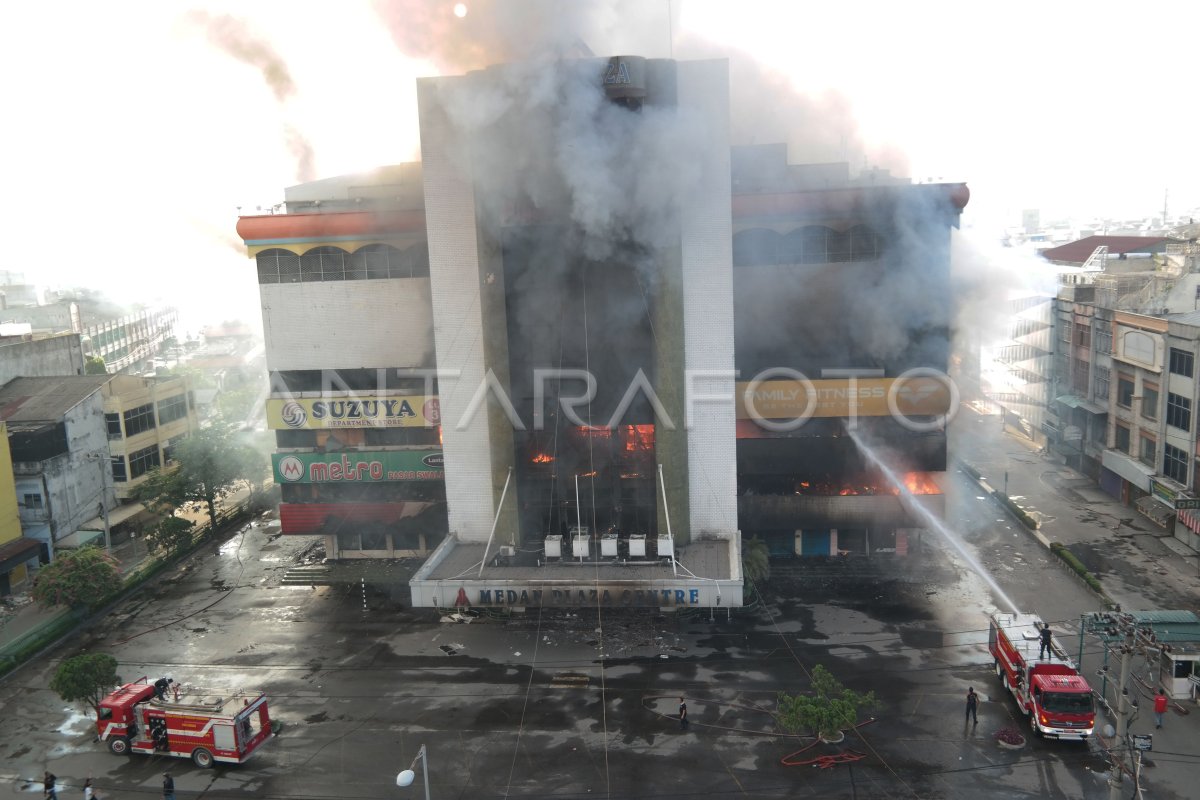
1050	691
186	723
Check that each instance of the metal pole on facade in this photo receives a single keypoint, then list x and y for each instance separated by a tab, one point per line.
662	483
578	509
495	521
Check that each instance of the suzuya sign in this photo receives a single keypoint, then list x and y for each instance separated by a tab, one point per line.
308	413
360	467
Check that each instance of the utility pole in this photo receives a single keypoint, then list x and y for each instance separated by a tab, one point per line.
1114	782
99	459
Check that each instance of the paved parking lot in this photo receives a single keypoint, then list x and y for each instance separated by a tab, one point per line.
555	705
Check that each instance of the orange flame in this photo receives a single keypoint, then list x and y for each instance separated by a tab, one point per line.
595	431
917	483
591	474
921	483
542	458
638	437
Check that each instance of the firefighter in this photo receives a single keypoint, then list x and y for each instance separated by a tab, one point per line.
160	687
1044	634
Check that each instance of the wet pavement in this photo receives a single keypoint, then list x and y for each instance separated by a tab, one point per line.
580	704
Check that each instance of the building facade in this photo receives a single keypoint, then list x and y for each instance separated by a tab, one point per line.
59	446
130	339
17	552
144	419
1126	386
44	356
523	354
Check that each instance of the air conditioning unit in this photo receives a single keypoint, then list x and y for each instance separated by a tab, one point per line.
553	547
637	545
581	547
507	550
608	545
666	547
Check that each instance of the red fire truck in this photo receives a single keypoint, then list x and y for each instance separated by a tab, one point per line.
188	723
1050	690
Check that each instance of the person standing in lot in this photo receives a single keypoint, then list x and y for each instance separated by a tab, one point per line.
168	786
1160	708
683	720
972	705
48	785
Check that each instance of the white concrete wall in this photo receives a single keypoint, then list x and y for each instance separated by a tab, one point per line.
706	230
348	324
458	320
49	357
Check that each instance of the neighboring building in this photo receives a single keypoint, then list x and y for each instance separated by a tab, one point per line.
121	339
130	339
56	432
41	357
1020	368
1125	385
50	318
15	295
17	553
145	418
1119	248
492	268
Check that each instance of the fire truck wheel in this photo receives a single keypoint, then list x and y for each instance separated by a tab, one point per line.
999	670
119	745
202	758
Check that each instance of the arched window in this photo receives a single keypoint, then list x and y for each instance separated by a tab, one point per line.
864	244
837	245
1139	347
814	245
278	266
381	261
323	264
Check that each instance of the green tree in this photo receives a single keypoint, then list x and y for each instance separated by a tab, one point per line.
171	534
85	678
210	465
81	577
238	406
830	709
94	366
756	564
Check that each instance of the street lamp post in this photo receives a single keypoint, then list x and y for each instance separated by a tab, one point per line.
406	777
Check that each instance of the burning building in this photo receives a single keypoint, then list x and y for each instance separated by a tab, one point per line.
554	307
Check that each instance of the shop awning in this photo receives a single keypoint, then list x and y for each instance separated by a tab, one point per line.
18	551
1075	401
1130	469
115	517
1155	510
1190	519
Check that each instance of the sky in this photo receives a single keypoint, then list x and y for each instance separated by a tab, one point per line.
138	131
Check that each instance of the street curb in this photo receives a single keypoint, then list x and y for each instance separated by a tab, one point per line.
89	617
1042	539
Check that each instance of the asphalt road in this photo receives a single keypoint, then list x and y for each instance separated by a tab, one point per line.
561	706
